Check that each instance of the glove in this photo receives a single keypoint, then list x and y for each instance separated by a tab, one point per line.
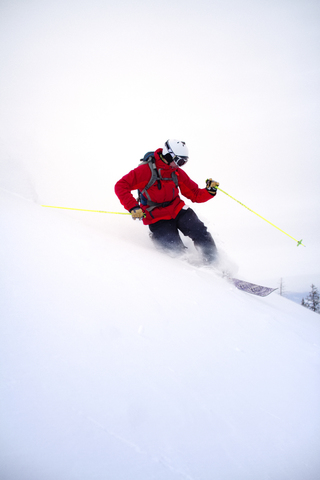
211	186
137	212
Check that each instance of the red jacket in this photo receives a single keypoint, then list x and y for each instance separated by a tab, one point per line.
138	178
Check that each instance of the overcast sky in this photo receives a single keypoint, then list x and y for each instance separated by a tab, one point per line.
87	87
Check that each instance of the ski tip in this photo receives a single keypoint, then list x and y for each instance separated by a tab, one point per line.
252	288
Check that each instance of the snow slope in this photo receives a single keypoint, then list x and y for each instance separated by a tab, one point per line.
121	363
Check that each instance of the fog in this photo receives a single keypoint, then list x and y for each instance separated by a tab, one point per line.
88	87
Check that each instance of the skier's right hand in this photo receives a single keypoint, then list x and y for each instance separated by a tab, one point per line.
137	212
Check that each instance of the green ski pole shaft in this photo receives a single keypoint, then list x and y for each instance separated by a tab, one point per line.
84	210
299	242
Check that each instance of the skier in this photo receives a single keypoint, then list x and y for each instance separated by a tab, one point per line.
158	180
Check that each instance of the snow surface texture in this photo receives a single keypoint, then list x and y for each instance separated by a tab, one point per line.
119	362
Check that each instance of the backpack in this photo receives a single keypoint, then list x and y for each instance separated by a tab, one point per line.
143	195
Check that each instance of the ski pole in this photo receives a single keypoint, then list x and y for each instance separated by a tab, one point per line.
84	210
299	242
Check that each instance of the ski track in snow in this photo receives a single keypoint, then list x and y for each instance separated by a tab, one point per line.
162	460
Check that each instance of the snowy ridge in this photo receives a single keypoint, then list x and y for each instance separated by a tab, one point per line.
119	362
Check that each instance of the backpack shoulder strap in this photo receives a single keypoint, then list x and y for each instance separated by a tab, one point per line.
155	177
175	179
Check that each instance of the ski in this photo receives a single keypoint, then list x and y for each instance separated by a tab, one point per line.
252	288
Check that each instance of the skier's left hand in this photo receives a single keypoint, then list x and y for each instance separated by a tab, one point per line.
211	186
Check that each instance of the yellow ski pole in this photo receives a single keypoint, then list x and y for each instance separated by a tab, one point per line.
84	210
299	242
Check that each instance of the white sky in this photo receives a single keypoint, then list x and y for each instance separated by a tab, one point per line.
87	87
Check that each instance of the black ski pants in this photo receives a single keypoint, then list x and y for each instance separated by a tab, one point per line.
165	234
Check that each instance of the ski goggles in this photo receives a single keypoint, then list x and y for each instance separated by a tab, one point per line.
180	161
177	159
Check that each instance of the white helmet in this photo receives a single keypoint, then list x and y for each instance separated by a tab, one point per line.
177	151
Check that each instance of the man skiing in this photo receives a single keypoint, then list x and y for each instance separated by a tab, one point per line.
158	180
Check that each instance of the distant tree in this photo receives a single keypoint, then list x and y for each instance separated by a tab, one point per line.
312	301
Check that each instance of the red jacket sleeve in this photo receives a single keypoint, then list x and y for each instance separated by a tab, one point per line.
190	189
137	179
